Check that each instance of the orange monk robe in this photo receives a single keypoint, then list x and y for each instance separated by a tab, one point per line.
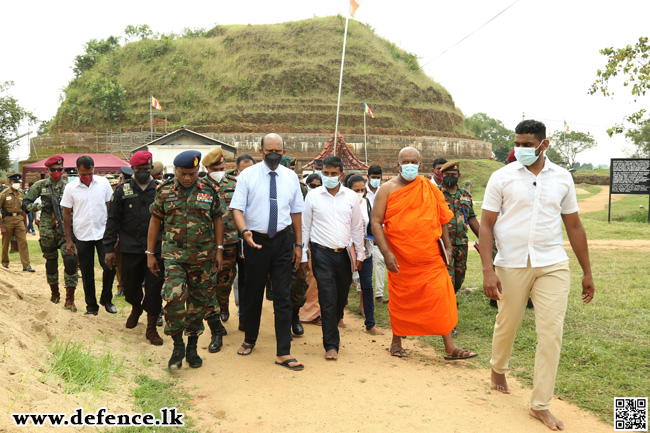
422	299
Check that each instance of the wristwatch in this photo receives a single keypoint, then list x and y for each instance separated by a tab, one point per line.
243	232
220	247
299	245
149	252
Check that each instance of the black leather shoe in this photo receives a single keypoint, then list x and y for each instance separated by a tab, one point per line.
176	360
296	326
216	342
28	269
90	313
193	358
110	307
6	267
225	315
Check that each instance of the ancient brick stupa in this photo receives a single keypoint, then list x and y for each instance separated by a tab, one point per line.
350	161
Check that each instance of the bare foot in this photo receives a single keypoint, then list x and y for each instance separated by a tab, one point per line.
341	324
374	331
547	418
331	355
499	382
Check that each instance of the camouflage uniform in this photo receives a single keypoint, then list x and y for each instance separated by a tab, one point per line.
223	280
52	240
460	203
189	250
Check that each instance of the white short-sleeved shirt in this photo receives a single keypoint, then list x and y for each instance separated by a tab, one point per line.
89	207
529	224
252	196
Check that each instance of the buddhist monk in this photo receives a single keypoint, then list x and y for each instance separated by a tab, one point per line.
409	216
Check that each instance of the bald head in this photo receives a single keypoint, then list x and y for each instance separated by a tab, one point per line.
272	138
408	155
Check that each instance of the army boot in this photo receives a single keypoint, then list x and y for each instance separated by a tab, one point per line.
176	361
132	320
152	332
56	296
191	356
296	326
69	299
217	336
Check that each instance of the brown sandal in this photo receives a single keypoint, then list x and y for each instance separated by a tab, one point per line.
459	353
398	351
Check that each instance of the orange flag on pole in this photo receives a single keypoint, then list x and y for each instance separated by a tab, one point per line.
354	5
155	104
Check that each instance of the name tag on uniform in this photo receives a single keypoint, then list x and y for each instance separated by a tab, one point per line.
204	198
9	198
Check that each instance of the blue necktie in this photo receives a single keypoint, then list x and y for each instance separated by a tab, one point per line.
273	214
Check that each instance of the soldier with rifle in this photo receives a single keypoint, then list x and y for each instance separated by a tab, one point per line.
52	240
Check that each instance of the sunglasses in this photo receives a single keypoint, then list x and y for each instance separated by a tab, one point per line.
313	185
52	170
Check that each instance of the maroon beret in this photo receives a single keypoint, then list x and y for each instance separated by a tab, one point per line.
139	158
511	156
56	159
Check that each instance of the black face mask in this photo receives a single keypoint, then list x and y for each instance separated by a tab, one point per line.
273	159
450	181
142	176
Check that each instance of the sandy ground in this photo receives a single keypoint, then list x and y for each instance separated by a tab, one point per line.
365	390
598	201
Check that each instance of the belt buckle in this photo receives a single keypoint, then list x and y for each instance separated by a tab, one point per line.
337	250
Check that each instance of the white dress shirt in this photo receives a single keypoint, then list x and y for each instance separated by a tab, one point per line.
89	206
252	196
529	224
371	195
333	221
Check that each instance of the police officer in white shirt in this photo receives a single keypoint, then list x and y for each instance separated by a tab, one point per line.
331	223
88	196
266	201
524	206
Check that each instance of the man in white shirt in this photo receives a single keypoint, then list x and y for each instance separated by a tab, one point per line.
374	183
88	196
524	206
266	201
331	223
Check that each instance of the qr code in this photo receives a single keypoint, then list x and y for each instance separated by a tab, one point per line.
631	414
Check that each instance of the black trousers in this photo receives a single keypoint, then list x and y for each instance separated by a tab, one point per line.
86	256
334	276
241	285
274	258
134	273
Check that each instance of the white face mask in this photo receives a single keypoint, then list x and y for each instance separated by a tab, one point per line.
217	175
360	195
15	186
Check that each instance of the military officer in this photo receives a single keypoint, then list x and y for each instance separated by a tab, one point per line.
224	182
191	212
14	222
157	170
128	218
50	191
460	203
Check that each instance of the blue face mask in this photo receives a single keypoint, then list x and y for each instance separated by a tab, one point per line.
409	171
375	183
318	172
330	182
526	155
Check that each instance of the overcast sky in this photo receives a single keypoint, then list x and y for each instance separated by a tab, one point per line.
537	59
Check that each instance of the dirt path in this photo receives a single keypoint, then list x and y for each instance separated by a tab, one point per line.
598	201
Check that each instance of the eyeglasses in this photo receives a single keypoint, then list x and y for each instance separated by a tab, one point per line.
52	170
314	185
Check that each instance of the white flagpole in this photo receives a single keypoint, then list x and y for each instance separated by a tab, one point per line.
365	143
338	103
151	117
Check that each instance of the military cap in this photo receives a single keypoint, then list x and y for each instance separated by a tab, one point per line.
140	157
16	177
127	172
187	159
286	161
157	168
215	156
56	159
451	165
168	175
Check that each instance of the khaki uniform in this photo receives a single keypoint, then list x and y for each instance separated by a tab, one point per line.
13	220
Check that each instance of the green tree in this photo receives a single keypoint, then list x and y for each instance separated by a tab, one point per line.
142	31
493	131
641	138
11	117
94	49
570	144
109	97
632	63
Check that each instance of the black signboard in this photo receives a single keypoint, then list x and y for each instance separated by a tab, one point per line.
629	176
